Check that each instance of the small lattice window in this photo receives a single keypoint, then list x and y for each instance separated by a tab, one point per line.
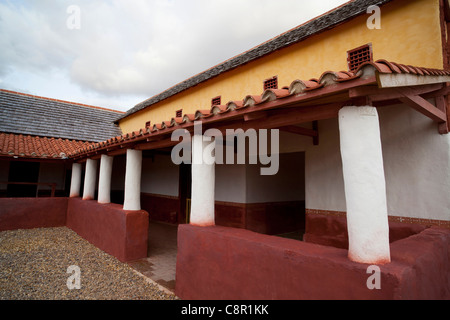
216	101
358	56
271	83
147	124
179	113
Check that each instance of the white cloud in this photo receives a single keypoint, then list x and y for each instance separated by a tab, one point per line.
135	49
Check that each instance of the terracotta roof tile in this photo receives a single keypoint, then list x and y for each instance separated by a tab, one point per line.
303	88
235	105
218	109
250	101
334	17
273	94
18	145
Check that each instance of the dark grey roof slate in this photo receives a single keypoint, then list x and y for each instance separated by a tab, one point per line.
37	116
320	24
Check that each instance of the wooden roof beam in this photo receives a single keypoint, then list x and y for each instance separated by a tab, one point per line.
375	94
300	131
423	106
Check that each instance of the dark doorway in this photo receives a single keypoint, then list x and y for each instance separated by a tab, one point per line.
185	192
23	172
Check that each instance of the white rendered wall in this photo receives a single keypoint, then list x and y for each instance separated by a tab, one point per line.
291	142
417	164
365	186
160	176
230	183
243	183
287	185
324	182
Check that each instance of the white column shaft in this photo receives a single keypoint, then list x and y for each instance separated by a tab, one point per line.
75	183
90	179
104	184
203	184
132	199
365	186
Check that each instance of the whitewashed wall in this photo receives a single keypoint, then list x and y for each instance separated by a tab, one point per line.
287	185
230	183
160	176
245	184
323	170
416	162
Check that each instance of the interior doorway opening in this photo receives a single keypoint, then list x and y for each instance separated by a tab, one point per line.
267	204
276	203
185	193
23	171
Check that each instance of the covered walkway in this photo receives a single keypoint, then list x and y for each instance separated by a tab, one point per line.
160	263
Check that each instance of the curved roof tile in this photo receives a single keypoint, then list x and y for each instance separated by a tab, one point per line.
303	87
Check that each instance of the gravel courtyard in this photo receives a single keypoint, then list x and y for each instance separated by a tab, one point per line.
34	266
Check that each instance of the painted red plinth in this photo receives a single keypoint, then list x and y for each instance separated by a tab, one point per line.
228	263
332	231
121	233
29	213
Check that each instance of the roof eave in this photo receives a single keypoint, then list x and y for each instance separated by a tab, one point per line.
318	25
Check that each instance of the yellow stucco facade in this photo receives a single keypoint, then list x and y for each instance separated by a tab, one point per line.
410	34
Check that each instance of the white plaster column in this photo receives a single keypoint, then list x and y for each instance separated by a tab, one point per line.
365	186
133	180
75	182
203	184
104	184
90	179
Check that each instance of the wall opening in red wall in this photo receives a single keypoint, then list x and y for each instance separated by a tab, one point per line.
273	205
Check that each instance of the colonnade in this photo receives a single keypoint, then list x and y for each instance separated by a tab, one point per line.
363	173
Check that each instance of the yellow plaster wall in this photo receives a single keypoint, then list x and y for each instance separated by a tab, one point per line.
410	34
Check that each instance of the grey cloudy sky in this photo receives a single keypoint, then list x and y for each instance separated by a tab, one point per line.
129	50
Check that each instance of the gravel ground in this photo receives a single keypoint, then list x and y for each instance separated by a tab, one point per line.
34	265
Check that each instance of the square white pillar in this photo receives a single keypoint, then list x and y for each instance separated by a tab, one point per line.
90	179
365	186
104	184
133	172
203	184
75	182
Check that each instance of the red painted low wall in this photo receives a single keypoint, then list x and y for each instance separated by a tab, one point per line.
267	217
121	233
331	230
161	208
28	213
228	263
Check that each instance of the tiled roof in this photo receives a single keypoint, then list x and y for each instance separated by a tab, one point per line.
302	90
38	116
17	145
300	33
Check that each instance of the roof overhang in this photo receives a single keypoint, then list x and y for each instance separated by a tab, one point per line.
379	84
320	24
